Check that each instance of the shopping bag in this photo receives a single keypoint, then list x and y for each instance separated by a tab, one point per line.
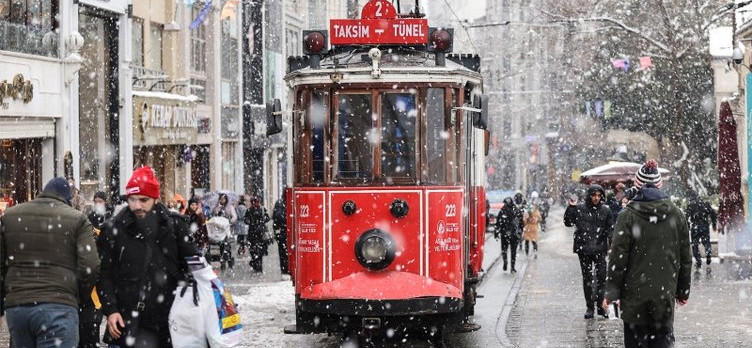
186	327
207	317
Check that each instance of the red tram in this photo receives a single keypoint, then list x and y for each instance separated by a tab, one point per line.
385	197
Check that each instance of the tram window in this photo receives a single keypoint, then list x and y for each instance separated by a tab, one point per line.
436	136
355	129
398	120
317	114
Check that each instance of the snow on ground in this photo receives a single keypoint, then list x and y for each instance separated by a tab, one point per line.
265	310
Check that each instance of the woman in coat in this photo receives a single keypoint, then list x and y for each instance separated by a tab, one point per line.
197	222
530	231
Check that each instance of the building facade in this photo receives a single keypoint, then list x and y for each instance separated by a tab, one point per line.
39	61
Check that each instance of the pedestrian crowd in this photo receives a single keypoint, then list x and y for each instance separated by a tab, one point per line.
64	272
633	245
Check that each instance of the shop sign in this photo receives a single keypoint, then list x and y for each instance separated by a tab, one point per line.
160	123
18	88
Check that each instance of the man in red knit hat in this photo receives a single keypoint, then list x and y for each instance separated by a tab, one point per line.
143	250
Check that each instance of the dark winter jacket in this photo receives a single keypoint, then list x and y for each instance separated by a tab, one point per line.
279	216
256	219
593	224
47	253
122	246
508	221
698	214
98	220
650	262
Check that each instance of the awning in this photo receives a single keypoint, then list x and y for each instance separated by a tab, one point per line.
26	127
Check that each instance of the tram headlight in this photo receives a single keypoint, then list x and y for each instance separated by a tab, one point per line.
375	249
315	42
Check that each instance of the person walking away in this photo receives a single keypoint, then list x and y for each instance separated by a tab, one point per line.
507	228
279	221
650	264
197	223
530	230
90	314
521	205
256	218
48	260
241	228
545	207
593	225
143	251
699	213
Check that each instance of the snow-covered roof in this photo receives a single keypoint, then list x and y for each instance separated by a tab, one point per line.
165	95
721	44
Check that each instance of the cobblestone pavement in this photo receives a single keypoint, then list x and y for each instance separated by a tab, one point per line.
550	305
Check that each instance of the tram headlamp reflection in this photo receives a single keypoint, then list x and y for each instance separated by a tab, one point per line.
375	249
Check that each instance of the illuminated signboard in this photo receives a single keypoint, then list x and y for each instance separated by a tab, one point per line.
379	25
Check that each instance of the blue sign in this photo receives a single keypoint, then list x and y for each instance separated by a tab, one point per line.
201	15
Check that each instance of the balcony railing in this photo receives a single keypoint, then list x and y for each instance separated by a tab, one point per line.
149	79
24	39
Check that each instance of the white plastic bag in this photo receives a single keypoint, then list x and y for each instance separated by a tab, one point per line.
218	228
215	320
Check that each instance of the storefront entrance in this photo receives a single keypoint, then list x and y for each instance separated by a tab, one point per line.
20	170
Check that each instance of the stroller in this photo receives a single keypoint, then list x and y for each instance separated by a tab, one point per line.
219	249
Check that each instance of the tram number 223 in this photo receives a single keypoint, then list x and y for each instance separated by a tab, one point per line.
305	210
451	210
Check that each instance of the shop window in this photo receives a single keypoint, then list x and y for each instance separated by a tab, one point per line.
399	112
29	26
137	57
355	133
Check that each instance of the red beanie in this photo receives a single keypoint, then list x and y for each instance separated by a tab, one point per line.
143	182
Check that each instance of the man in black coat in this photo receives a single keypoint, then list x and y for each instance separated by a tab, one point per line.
698	214
508	229
593	224
143	250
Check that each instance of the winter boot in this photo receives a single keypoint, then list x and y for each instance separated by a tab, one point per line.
589	313
504	266
709	260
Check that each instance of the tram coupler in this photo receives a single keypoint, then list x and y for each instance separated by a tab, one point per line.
371	323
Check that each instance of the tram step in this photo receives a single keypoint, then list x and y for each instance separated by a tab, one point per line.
292	329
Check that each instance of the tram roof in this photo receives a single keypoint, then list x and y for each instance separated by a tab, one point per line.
396	66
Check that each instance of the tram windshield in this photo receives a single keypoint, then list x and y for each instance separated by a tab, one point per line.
387	137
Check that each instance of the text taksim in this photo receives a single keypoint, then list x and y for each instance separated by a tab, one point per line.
353	31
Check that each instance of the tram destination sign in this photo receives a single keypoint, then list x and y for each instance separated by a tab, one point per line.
403	31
